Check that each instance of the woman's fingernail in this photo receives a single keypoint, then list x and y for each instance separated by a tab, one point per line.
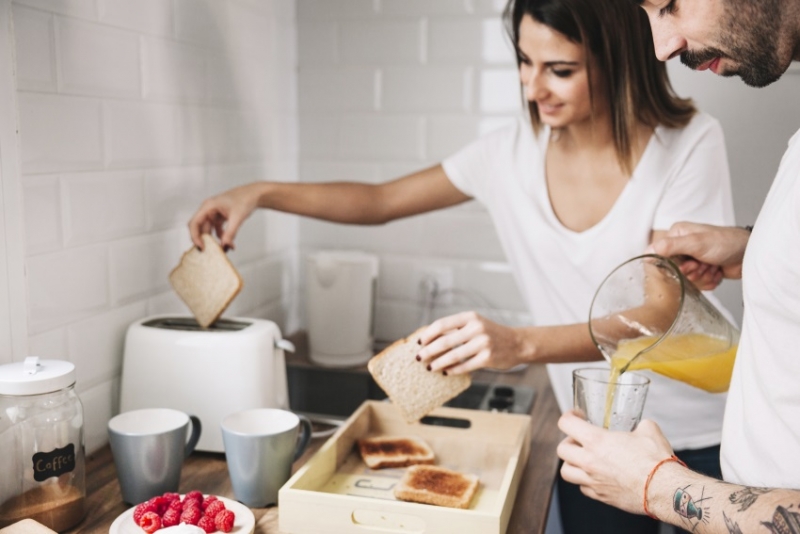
418	358
444	373
198	248
428	368
419	341
226	248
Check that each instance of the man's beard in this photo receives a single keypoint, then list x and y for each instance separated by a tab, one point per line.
750	36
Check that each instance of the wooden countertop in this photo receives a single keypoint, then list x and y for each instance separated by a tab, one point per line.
208	472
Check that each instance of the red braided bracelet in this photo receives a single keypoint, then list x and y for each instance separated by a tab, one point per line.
672	458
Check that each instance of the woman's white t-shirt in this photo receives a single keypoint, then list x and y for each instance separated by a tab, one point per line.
682	176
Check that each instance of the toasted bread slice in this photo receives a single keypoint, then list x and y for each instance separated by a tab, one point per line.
412	388
387	451
206	281
430	484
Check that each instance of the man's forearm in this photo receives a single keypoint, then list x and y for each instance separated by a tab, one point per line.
705	505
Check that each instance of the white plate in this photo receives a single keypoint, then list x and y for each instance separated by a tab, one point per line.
243	523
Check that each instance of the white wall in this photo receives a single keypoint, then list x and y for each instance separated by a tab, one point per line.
388	87
130	113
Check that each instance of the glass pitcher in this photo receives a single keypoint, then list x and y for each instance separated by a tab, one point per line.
646	315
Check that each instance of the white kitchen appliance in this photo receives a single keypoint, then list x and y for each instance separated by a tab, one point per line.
235	364
340	299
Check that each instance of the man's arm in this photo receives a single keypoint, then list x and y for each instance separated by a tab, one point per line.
707	253
615	468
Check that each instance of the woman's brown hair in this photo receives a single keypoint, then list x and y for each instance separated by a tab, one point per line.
616	35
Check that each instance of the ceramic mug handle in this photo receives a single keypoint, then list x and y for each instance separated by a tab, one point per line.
305	437
194	438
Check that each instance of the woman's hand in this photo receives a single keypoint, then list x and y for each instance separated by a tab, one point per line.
224	213
467	341
611	467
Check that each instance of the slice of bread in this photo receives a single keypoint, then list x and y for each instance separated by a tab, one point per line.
206	281
430	484
412	388
388	451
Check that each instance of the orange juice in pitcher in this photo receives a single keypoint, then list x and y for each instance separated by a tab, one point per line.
699	360
647	316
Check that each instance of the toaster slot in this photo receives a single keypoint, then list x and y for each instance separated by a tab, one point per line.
188	323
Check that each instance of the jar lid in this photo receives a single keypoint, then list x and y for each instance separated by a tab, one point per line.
35	376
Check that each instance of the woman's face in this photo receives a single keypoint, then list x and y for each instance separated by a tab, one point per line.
554	74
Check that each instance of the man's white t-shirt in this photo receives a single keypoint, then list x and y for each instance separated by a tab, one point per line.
682	175
761	433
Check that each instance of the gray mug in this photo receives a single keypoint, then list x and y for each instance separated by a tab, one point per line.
260	447
149	447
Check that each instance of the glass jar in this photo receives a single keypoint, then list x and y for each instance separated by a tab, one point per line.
42	465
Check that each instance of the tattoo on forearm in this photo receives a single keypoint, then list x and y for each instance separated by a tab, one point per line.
690	509
746	497
784	521
733	526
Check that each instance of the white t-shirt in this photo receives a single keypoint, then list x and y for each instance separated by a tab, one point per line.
761	434
682	175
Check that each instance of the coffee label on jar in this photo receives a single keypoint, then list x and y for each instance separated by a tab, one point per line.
54	463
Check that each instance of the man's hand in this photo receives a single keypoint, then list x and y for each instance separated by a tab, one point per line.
611	467
706	253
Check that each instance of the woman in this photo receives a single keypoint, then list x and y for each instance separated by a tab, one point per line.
607	161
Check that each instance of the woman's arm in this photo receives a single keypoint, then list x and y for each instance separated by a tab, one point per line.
343	202
614	467
468	341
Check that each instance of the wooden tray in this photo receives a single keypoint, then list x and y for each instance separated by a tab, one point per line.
334	492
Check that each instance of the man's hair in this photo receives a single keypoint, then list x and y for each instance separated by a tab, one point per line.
618	42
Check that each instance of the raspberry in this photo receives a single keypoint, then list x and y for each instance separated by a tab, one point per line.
159	503
171	497
150	522
192	503
208	500
191	515
171	518
142	509
214	508
195	495
224	520
207	524
176	505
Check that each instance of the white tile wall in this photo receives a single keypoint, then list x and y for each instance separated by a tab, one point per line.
96	60
85	9
144	16
34	43
102	206
131	113
381	41
42	209
60	133
445	75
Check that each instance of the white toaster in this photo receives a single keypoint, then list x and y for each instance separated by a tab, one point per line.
235	364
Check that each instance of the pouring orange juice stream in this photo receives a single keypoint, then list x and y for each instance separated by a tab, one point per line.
673	358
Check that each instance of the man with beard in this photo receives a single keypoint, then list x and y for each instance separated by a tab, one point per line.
756	40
